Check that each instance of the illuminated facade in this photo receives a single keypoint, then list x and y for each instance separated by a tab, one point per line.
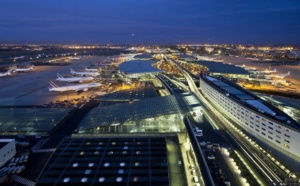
266	123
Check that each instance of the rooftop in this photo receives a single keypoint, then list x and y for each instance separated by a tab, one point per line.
4	142
108	161
143	56
185	56
138	67
219	67
156	110
251	101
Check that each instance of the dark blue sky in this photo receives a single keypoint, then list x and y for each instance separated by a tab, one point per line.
150	21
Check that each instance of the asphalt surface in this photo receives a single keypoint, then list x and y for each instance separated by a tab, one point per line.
31	88
222	133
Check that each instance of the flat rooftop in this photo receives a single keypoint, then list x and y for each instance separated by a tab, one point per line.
143	56
219	67
138	67
4	142
108	161
185	56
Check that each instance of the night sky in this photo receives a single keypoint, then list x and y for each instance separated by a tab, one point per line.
150	21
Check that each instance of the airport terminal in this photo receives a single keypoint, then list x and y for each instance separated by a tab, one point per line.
108	121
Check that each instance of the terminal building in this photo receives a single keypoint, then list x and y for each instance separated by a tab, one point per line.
137	68
133	137
271	127
149	115
227	70
144	57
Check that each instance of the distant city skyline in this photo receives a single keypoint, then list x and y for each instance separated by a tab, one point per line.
150	22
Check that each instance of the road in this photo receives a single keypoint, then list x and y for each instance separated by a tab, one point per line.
177	173
269	175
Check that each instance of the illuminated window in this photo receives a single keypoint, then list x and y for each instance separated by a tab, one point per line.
286	146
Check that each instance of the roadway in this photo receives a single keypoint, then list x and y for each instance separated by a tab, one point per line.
252	158
215	136
176	170
169	84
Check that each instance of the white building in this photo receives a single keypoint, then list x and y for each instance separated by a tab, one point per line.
7	150
270	126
